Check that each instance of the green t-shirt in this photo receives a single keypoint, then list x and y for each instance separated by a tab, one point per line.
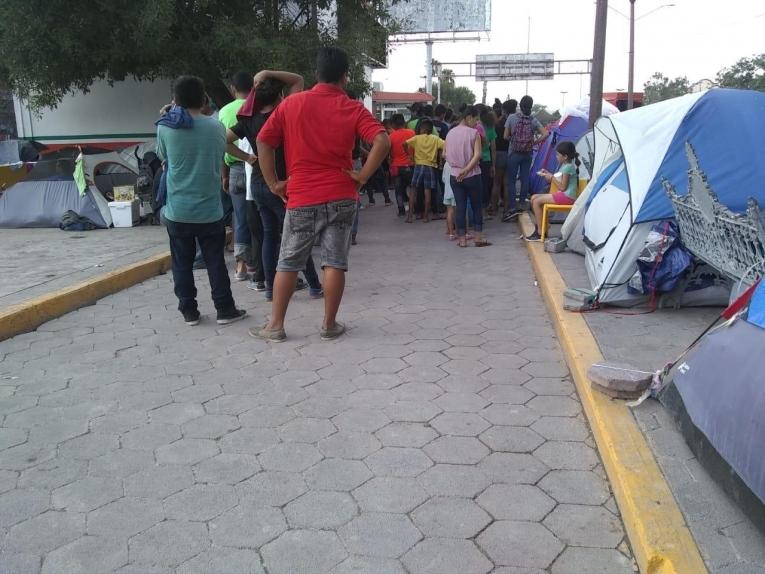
193	157
573	179
491	135
227	116
412	125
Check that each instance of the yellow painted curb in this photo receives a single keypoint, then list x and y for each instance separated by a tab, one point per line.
29	315
658	534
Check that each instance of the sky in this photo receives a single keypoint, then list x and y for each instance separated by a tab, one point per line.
693	38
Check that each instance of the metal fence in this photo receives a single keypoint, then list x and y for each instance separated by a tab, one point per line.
733	244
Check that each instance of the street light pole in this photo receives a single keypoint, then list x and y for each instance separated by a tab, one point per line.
598	61
631	79
429	66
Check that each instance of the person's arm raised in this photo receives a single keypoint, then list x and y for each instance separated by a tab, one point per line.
380	149
293	82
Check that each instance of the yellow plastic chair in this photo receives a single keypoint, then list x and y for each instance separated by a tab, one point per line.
548	207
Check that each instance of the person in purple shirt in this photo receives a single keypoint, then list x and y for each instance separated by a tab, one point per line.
463	154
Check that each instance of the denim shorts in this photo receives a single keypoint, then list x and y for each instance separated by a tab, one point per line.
330	222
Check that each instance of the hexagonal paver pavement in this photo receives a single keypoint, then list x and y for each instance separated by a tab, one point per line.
450	517
441	434
521	544
390	494
456	450
591	526
395	461
303	552
516	502
337	474
321	509
443	556
379	535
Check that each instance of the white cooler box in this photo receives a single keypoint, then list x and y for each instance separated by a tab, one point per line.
125	213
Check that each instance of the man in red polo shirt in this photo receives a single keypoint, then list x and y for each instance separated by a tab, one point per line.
318	129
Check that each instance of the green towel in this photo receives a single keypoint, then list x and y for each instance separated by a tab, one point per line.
79	176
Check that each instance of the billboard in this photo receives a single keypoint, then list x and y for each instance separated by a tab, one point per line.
509	67
424	16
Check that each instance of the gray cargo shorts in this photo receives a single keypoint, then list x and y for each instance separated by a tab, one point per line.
330	222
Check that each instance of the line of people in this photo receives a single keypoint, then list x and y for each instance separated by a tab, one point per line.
303	187
426	180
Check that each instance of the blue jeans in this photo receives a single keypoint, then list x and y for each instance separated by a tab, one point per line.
518	164
272	212
237	189
486	183
212	241
469	189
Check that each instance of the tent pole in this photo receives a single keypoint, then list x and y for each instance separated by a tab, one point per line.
631	79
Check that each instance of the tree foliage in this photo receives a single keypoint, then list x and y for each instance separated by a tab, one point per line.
747	73
660	88
452	95
49	48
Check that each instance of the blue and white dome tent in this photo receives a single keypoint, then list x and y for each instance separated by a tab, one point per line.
635	150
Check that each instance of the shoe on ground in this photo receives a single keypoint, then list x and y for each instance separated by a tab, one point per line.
257	285
300	285
275	336
191	318
401	212
241	276
533	237
269	295
328	334
510	215
353	239
317	293
387	202
228	316
199	264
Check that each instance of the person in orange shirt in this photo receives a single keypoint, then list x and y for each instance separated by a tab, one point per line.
400	161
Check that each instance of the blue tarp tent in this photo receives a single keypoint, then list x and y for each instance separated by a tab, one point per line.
717	393
569	129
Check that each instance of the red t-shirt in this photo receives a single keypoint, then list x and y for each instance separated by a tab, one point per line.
398	156
318	129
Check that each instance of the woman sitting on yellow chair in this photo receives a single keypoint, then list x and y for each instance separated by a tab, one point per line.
563	184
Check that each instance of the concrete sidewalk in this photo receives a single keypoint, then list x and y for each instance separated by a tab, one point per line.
729	542
35	262
442	434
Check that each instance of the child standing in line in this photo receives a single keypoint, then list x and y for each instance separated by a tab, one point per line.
427	148
450	203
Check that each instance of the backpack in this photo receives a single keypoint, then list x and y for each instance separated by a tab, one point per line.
522	138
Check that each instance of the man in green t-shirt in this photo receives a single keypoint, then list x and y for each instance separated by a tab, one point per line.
248	229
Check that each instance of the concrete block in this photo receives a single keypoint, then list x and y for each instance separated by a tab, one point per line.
619	380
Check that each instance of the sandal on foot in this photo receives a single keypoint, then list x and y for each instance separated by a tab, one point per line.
482	243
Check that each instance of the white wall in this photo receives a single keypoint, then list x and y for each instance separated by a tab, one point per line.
124	112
